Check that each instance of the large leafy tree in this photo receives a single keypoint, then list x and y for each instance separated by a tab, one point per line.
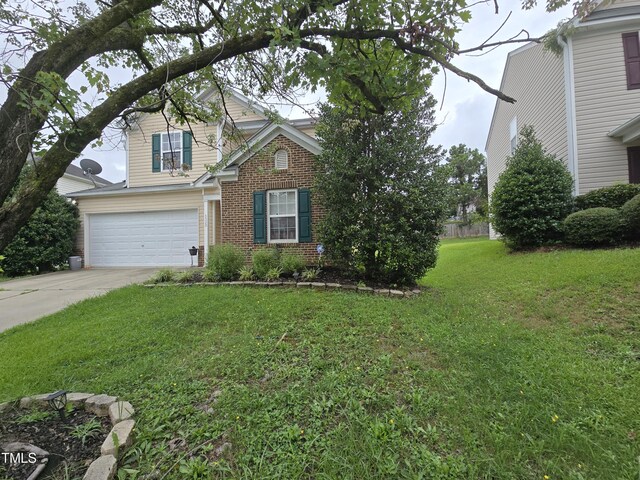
373	53
468	179
383	191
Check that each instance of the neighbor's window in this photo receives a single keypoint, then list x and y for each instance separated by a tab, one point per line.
283	220
513	134
282	160
171	151
631	47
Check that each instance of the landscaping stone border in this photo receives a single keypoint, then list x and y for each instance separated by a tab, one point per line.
384	292
120	437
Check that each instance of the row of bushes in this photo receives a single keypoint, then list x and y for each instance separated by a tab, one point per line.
228	262
602	226
532	204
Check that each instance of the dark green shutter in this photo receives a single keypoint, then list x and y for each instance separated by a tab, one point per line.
155	153
259	217
304	215
186	148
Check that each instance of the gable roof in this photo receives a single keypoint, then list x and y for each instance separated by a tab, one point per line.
266	135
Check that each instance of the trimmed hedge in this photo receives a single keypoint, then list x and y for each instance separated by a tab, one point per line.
630	213
225	261
594	227
610	197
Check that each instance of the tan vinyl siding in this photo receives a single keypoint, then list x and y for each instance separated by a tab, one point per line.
160	201
203	153
240	113
535	78
602	104
311	131
140	172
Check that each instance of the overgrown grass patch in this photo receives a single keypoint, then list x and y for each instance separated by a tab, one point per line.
507	366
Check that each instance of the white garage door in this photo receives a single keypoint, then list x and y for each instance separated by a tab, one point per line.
142	239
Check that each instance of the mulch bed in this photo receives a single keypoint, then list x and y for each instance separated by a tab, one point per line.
53	435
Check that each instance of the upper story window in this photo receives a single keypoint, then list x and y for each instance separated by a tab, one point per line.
282	208
631	47
513	134
171	151
282	160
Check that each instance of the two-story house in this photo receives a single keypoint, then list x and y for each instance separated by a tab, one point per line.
583	104
262	196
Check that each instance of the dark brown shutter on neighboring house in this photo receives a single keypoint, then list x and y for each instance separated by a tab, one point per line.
633	153
631	47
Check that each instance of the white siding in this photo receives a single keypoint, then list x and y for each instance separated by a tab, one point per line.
535	78
602	104
68	184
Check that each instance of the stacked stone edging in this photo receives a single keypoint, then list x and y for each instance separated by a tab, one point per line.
120	437
385	292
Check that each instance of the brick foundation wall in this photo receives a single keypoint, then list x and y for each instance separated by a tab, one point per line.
258	173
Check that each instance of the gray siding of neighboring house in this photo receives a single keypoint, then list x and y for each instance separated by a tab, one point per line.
602	104
535	78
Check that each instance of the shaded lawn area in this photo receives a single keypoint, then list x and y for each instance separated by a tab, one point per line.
508	367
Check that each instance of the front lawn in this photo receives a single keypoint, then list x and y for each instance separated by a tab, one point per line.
508	367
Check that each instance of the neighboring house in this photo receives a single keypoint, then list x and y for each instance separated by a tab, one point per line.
261	197
583	104
75	180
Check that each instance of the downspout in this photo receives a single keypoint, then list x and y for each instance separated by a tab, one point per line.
570	110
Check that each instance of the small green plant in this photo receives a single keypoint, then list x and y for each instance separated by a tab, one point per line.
195	468
165	275
188	276
225	260
630	213
593	227
210	276
291	263
85	431
264	260
246	273
310	274
34	417
273	274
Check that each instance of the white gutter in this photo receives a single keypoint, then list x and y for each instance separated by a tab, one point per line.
570	111
126	133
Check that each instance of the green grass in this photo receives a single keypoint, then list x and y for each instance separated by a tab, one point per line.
507	367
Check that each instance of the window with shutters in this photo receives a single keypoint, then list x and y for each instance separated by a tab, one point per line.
282	211
171	151
282	160
631	47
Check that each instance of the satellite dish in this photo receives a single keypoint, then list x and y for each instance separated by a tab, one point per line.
90	168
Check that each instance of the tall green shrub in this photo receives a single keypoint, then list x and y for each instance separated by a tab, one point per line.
384	195
532	196
46	241
224	261
265	259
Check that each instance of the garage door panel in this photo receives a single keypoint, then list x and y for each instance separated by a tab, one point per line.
143	238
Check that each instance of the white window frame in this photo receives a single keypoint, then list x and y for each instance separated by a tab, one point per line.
269	216
163	135
513	134
286	159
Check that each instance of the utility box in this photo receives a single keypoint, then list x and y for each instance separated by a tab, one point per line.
75	263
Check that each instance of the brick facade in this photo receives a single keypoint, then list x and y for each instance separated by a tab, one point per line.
258	173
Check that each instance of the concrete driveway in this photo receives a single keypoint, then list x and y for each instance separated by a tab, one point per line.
27	299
